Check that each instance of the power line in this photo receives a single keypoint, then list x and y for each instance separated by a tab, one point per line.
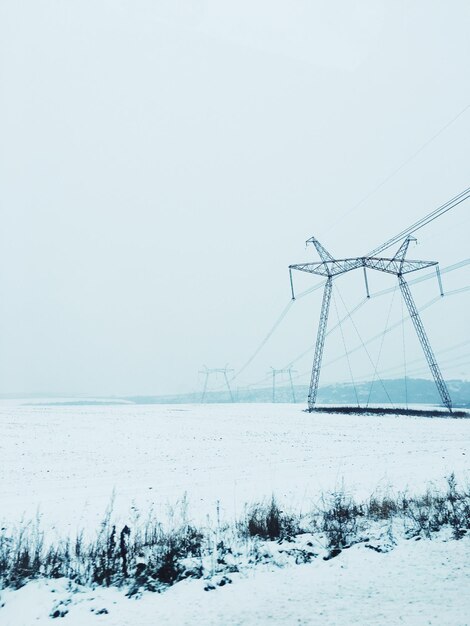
263	342
449	268
431	302
308	350
464	195
420	360
400	167
332	329
345	350
429	218
380	349
364	346
424	221
390	328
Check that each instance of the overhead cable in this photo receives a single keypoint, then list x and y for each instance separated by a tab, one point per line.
401	166
424	221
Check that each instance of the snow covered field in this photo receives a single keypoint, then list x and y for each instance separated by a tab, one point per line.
416	584
65	462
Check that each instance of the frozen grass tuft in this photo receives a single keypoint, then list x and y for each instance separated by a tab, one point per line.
269	521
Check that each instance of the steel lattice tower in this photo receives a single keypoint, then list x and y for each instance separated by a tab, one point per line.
288	371
397	265
216	370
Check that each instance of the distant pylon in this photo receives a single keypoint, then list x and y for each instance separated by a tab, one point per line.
287	371
215	370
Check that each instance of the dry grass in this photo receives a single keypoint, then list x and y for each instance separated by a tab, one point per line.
151	556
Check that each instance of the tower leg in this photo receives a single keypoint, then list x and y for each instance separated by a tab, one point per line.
366	281
228	387
205	388
291	385
429	354
439	280
325	307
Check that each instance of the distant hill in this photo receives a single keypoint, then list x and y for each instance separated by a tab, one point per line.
417	390
391	391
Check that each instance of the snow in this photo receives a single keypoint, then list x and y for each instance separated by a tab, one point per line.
68	462
65	462
417	583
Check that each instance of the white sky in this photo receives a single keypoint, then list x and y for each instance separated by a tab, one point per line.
163	162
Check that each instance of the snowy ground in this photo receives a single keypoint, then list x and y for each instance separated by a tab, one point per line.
66	461
417	583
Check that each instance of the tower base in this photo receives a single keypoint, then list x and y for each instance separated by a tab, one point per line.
359	410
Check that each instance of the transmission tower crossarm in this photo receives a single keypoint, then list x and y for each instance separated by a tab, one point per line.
322	251
321	333
329	268
403	249
423	338
396	266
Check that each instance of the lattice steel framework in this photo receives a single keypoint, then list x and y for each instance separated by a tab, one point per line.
289	371
397	265
216	370
320	343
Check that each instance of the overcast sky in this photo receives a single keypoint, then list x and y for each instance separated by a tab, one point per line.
162	162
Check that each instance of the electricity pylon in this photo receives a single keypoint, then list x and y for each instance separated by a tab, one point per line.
398	265
215	370
288	371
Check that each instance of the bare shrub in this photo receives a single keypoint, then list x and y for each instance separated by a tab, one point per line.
164	563
269	521
432	511
339	520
